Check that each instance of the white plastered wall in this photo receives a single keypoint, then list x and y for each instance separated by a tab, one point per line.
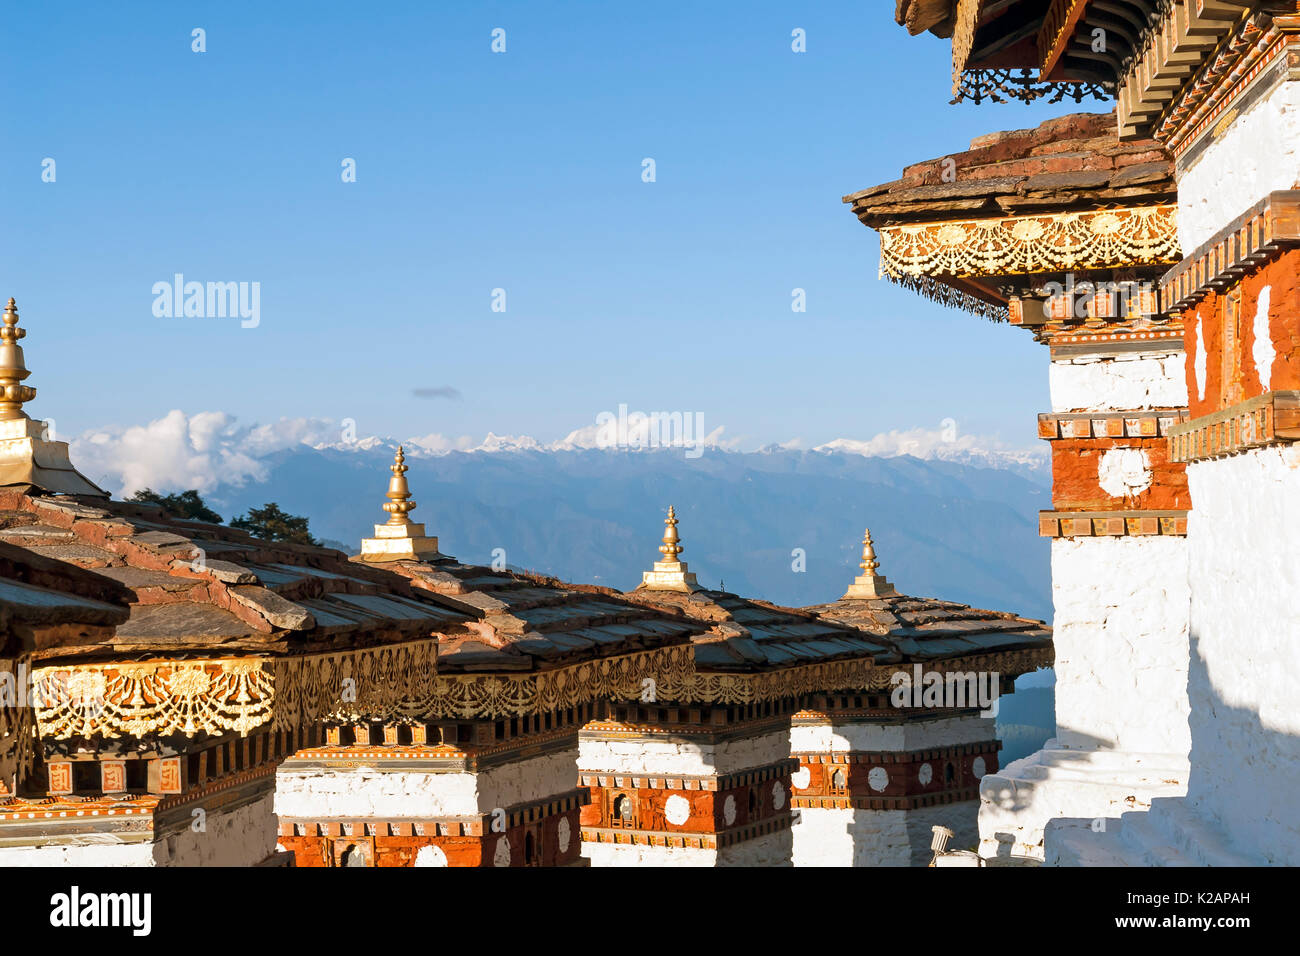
368	792
1244	538
1120	382
912	735
772	849
834	837
1258	154
859	837
648	755
1120	634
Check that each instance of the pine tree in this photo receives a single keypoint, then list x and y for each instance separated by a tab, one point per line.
187	504
271	524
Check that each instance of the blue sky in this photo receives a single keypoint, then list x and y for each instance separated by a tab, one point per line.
478	171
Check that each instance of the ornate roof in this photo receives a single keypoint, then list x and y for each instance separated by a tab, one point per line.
197	587
200	588
1067	163
977	229
751	635
927	629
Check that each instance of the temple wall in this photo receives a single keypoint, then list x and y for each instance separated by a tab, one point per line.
364	792
1120	634
1245	648
241	837
686	799
860	836
1257	154
601	755
774	849
871	736
1120	628
834	837
1264	353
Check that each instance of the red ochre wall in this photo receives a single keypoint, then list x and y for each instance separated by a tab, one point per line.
1075	484
1282	275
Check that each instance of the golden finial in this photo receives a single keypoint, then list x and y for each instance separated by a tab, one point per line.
670	572
400	538
399	502
869	562
12	368
671	547
869	584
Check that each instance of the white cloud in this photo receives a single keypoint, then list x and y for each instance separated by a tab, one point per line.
197	451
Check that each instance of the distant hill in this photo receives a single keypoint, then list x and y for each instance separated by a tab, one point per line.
957	530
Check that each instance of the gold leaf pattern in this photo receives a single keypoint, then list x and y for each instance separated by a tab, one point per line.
1018	245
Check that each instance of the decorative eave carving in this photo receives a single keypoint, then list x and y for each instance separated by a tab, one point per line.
238	694
1017	245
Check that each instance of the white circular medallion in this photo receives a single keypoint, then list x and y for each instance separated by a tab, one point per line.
432	856
925	774
563	834
878	779
978	768
729	810
1124	472
502	855
677	810
778	795
801	778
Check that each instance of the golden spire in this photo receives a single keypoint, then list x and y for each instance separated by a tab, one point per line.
29	455
12	368
671	546
399	538
869	584
670	573
399	503
869	562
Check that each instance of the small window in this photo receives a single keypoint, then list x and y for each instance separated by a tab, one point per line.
838	779
623	810
355	855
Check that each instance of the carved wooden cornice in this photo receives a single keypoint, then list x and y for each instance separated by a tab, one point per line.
1139	424
1087	524
1240	248
1269	419
1017	245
